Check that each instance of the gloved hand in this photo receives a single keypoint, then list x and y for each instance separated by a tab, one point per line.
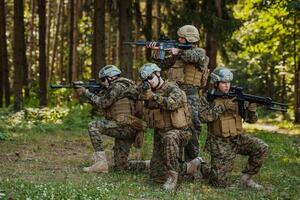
174	51
229	104
252	107
147	94
80	90
152	45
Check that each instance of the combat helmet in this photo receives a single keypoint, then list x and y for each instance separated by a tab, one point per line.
221	74
109	71
147	69
189	32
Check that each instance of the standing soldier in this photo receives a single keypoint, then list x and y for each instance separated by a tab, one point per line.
117	102
226	137
188	68
166	111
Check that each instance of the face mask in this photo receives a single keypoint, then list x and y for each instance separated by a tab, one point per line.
154	82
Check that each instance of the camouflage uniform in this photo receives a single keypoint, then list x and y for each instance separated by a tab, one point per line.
123	133
223	149
168	140
176	65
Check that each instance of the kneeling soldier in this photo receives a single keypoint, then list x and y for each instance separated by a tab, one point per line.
166	111
118	102
226	137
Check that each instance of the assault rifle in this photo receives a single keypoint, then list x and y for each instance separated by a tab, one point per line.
241	97
91	85
164	43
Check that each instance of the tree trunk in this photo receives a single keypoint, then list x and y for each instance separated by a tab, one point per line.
271	81
48	30
73	58
42	53
138	51
75	75
211	50
125	32
297	94
71	42
158	18
99	37
148	28
3	50
32	41
19	53
297	75
211	42
26	70
62	68
54	48
4	57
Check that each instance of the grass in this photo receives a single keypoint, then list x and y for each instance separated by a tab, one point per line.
45	161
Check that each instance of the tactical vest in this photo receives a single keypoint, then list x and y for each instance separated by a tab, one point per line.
228	124
164	119
123	110
187	73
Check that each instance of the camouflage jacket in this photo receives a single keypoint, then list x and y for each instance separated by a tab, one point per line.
168	97
209	112
194	55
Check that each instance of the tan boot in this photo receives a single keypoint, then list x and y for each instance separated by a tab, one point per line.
248	182
100	163
193	166
171	182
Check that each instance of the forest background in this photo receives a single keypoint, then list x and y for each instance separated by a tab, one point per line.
47	42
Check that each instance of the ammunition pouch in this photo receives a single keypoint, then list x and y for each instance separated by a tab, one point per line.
162	119
228	124
188	73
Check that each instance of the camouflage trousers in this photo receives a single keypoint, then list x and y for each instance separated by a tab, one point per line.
167	146
224	150
191	150
123	138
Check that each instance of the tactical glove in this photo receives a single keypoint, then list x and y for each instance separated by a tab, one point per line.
252	107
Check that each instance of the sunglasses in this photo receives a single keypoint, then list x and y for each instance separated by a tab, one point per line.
103	79
150	77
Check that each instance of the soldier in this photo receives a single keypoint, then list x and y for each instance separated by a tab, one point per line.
117	101
166	110
188	68
226	137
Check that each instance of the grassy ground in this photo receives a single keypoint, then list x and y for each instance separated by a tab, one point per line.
46	161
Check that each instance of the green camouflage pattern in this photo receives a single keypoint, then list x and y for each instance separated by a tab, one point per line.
167	146
168	143
223	150
123	134
198	57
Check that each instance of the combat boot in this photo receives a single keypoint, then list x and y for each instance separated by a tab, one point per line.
248	182
194	165
100	163
171	182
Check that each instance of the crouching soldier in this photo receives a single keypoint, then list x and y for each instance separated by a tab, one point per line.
166	111
188	68
226	137
118	102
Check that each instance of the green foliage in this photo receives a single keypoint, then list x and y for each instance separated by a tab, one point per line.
3	136
79	117
44	120
262	51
